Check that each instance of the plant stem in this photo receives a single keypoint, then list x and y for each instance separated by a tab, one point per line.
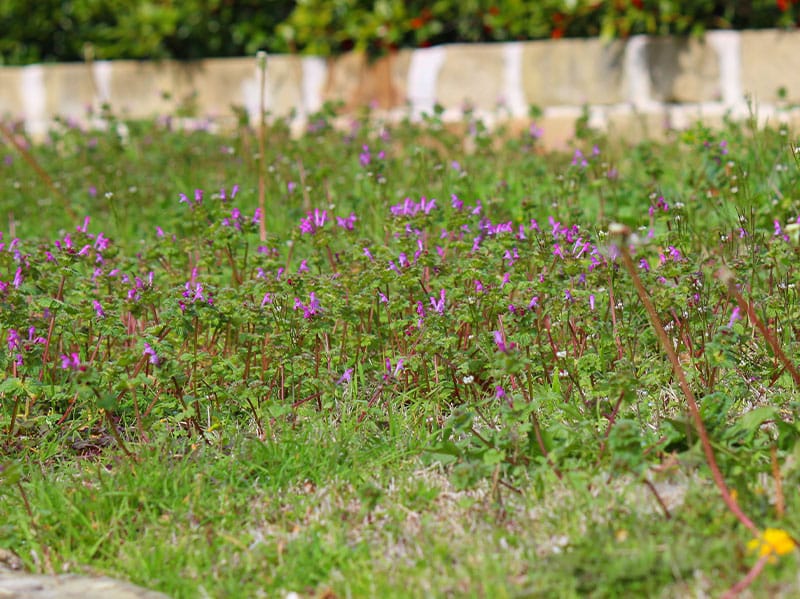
694	411
261	57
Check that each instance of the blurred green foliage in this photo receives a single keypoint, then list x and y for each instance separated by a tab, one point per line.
53	30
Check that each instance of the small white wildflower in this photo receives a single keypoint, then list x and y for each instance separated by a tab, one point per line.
468	379
561	354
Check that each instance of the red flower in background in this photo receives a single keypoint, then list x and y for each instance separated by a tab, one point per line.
638	4
424	17
784	5
558	26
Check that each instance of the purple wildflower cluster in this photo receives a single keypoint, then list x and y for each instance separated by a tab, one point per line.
313	222
411	208
194	292
18	346
312	308
365	158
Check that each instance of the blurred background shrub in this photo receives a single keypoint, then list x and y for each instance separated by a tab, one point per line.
56	30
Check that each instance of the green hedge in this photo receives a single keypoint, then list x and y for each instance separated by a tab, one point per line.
54	30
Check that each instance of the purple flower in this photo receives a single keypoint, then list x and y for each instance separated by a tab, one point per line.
591	302
71	362
33	338
17	278
13	340
438	306
368	254
735	315
313	222
579	160
420	313
194	292
101	242
410	208
500	341
397	369
198	198
499	392
346	378
310	309
346	223
234	191
149	351
98	309
364	158
267	299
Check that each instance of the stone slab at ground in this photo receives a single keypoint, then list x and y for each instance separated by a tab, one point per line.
17	584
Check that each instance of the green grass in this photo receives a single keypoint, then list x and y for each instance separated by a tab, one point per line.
373	407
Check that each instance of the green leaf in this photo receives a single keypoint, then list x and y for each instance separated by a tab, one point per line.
493	456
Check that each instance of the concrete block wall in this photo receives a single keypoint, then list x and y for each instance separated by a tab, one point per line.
636	87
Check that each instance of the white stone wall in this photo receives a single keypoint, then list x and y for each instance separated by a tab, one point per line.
635	87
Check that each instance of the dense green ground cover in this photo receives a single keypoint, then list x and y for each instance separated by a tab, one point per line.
431	374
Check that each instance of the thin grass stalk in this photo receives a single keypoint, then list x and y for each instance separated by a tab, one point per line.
261	58
694	411
748	579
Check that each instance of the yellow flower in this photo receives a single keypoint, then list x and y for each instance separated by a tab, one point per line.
772	542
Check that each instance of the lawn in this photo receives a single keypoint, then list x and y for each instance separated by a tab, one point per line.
397	360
